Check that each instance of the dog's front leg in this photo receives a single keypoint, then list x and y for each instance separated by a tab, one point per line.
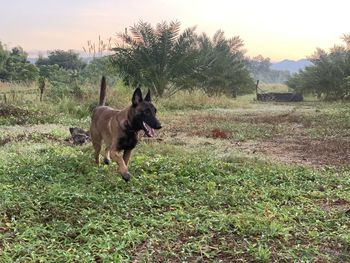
107	158
126	156
123	168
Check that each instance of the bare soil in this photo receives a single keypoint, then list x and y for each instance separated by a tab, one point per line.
306	151
340	205
300	136
28	137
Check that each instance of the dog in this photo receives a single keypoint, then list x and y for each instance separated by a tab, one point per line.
118	129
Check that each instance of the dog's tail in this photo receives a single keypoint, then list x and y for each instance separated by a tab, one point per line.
102	92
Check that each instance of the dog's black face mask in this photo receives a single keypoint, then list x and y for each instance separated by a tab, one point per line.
145	114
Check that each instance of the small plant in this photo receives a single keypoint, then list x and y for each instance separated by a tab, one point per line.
262	254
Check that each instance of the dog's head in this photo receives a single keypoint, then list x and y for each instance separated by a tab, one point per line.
144	117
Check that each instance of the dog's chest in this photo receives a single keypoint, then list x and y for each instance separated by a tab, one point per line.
127	142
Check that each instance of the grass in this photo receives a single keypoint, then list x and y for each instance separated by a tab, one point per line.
194	197
198	100
180	206
275	87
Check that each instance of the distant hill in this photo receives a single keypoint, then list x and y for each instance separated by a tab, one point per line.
291	65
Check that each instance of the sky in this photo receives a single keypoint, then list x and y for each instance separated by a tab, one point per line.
276	29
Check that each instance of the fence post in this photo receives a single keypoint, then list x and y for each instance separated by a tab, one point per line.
41	87
256	89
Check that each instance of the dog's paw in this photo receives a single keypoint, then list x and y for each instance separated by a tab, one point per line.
126	176
106	161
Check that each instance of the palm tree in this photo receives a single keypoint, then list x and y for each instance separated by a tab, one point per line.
221	65
160	58
329	76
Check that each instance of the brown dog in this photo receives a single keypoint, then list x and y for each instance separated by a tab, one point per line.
118	129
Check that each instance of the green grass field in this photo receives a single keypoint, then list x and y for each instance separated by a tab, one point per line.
225	181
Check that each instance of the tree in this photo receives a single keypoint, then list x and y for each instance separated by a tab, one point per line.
160	58
259	65
3	57
63	82
165	60
68	60
346	39
14	66
98	67
260	69
221	67
63	71
329	75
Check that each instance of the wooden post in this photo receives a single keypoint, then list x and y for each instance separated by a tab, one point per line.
256	89
41	87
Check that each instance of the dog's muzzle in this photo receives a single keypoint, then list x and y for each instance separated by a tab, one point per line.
149	131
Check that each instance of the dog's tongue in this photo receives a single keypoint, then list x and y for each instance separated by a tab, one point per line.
148	130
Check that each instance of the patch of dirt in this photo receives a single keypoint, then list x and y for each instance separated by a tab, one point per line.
287	117
276	119
217	133
338	252
28	137
40	133
340	205
214	133
301	150
314	152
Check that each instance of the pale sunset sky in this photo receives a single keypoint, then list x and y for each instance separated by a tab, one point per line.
273	28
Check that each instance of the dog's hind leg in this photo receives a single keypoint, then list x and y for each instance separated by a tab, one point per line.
97	147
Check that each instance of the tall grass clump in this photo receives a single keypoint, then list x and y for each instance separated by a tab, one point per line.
118	96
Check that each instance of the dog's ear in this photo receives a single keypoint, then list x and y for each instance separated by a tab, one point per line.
148	96
137	97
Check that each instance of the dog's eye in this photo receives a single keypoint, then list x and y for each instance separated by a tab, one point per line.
147	111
